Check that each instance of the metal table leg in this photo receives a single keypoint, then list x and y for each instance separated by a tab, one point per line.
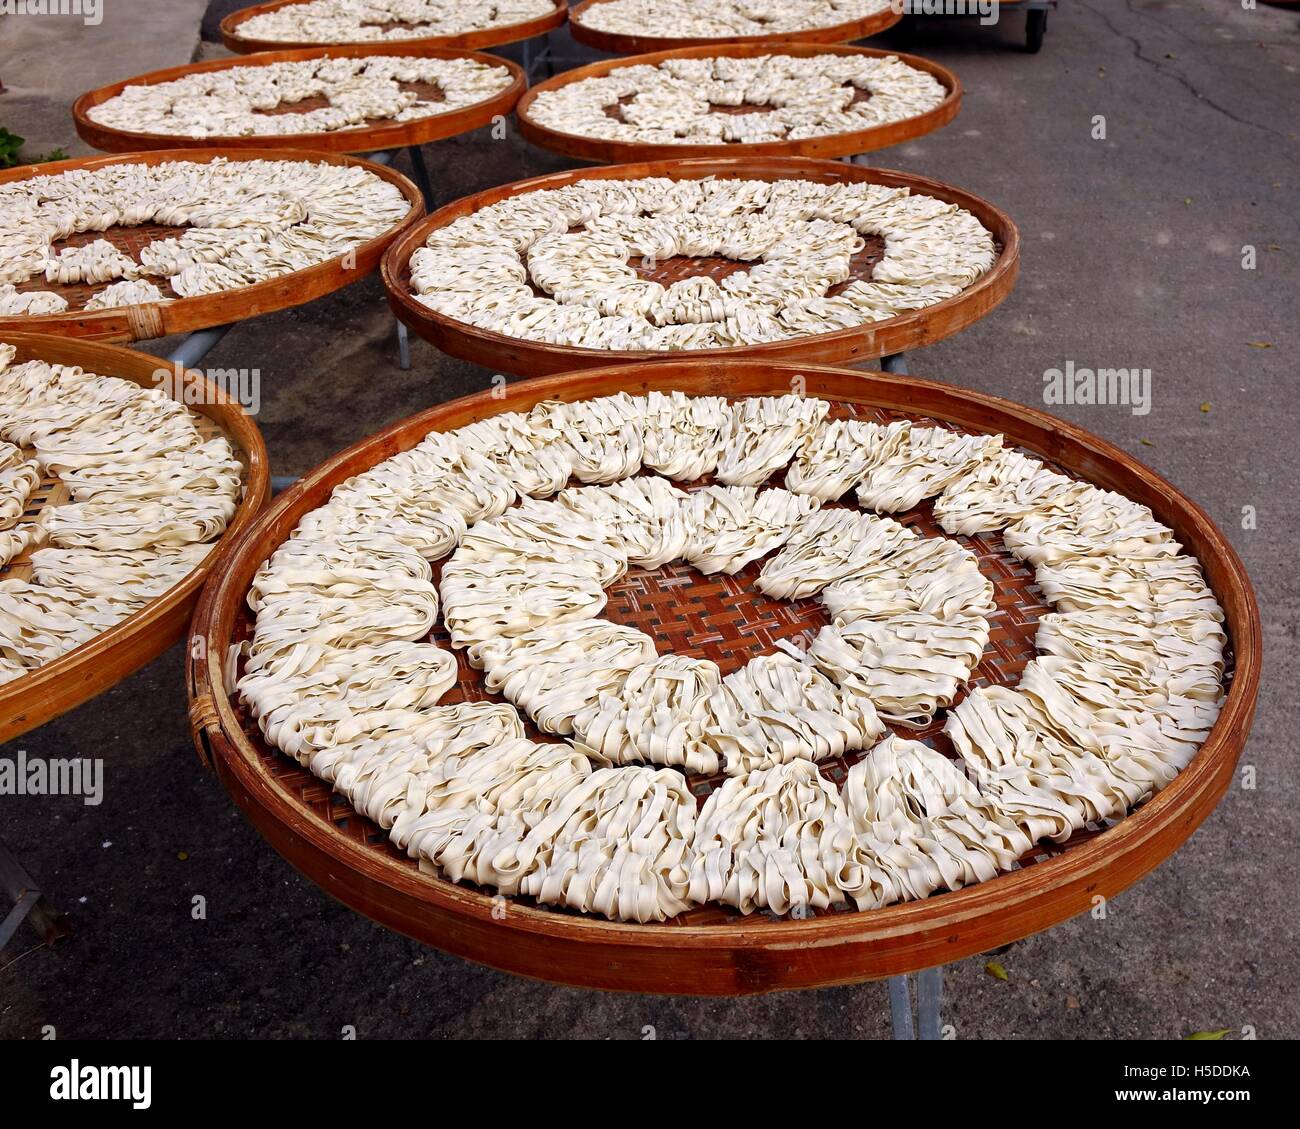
929	1000
197	345
29	903
900	1007
421	171
929	997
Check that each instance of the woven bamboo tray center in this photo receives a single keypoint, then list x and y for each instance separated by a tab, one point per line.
129	240
390	25
680	267
425	91
615	110
723	618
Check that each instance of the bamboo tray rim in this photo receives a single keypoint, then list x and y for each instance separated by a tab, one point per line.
148	320
483	37
871	339
845	143
80	674
620	43
845	947
357	139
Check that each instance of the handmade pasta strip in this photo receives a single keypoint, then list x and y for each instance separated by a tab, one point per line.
733	525
778	839
922	826
658	715
932	459
828	546
777	708
647	515
764	434
556	672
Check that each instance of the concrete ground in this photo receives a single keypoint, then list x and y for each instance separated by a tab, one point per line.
1133	256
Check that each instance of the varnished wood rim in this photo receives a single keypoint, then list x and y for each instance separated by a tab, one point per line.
181	315
470	40
364	139
104	661
617	44
832	145
755	956
910	330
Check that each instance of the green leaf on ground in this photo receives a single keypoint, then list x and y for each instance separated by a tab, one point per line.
996	971
1203	1035
10	143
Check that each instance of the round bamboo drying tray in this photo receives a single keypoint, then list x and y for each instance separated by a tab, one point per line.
617	44
181	315
832	145
911	330
369	138
709	950
469	40
104	661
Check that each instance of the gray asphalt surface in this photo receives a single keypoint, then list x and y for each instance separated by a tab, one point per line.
1133	251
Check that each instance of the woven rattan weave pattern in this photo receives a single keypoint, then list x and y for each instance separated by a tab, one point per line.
52	492
425	91
130	240
725	619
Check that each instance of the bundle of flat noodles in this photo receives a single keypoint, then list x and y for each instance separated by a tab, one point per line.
683	435
840	453
603	437
658	716
922	826
549	533
526	449
647	514
763	434
928	463
829	546
1096	523
292	706
733	525
487	600
1002	489
135	576
555	672
776	709
388	750
19	479
778	839
617	842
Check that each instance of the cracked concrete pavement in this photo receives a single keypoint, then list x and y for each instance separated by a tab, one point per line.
1133	250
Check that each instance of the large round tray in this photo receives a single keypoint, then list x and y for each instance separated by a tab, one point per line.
832	145
709	950
617	44
875	339
361	139
93	667
159	319
470	40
